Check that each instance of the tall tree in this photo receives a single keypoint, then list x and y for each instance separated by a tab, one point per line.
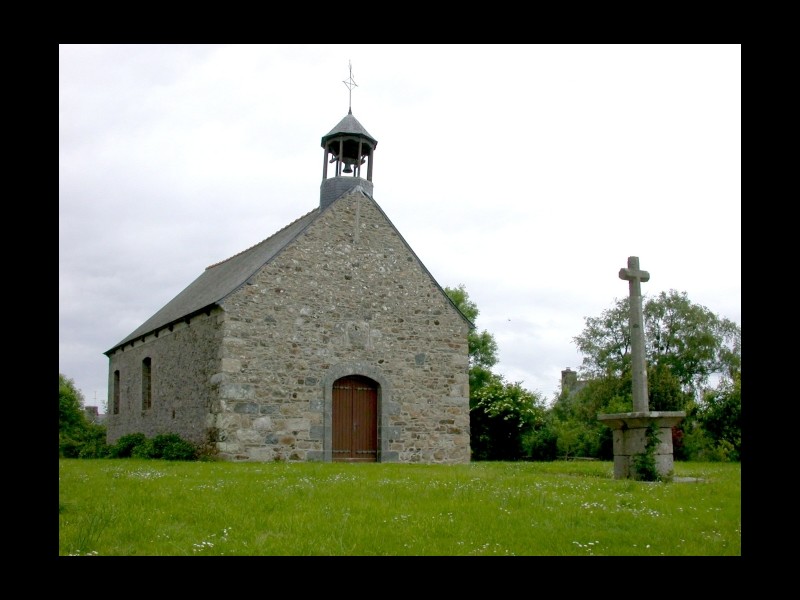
71	417
504	418
720	415
77	435
72	421
482	345
685	344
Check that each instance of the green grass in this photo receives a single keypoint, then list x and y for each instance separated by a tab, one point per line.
130	507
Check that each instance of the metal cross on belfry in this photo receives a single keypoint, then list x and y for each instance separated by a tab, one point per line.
635	276
350	83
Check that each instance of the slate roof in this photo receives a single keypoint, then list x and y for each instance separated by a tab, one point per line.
349	125
222	279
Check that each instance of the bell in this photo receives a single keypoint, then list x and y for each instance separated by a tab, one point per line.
348	168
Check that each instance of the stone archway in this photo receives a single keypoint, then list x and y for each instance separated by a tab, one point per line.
385	408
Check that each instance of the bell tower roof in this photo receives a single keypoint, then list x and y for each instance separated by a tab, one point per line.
349	145
349	126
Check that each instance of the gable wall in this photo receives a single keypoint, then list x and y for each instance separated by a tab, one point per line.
346	297
182	363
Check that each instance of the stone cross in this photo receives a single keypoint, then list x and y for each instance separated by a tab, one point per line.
635	276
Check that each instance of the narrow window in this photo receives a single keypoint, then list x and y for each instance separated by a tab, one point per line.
115	394
147	390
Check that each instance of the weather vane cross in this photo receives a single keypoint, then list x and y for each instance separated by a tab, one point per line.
350	83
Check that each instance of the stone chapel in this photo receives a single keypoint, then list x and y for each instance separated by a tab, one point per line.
327	341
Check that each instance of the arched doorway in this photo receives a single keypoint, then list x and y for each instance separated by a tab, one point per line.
355	419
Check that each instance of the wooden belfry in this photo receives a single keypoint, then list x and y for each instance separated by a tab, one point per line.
630	429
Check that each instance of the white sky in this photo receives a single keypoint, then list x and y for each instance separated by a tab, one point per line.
529	173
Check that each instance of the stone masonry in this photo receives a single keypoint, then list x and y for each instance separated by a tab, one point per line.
184	358
252	375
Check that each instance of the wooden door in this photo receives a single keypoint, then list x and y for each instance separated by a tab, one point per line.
355	419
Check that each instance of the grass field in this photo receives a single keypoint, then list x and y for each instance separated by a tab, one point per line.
130	507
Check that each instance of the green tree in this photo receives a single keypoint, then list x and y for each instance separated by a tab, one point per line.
606	343
689	340
503	416
719	414
664	389
71	417
72	420
482	345
78	437
573	416
507	422
685	344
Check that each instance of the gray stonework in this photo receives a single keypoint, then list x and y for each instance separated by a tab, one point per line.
183	362
629	431
253	374
330	189
635	276
570	384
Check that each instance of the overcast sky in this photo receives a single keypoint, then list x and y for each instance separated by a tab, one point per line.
528	173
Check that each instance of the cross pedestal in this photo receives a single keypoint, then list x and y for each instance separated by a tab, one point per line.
629	432
630	429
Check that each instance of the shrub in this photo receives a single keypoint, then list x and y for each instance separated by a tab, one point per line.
722	451
126	444
93	450
501	413
167	446
699	445
644	464
68	447
171	446
678	451
78	437
144	450
540	444
720	415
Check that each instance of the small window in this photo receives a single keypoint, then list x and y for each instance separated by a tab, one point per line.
115	394
147	389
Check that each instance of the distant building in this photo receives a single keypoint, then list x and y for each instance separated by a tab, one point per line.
94	415
570	382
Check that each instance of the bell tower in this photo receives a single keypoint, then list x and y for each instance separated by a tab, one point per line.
349	147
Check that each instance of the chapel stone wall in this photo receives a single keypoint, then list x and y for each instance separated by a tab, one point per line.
182	362
346	296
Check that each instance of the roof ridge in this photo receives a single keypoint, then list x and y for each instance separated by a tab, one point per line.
216	264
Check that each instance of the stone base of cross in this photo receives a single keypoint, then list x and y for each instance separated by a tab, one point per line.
630	440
